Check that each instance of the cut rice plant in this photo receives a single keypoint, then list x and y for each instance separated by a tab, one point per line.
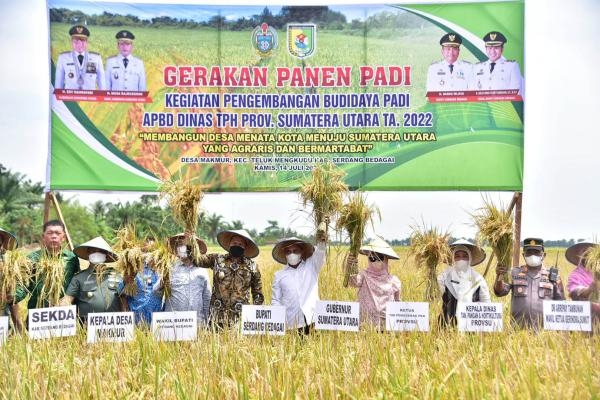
592	262
184	200
131	258
325	192
15	269
50	275
354	217
162	260
429	247
496	228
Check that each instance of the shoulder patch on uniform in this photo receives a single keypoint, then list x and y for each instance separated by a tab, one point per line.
94	53
65	52
511	61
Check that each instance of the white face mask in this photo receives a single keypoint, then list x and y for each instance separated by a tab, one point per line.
182	251
293	258
97	258
461	265
533	261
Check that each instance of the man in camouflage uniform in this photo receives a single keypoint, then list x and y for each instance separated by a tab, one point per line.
531	284
235	277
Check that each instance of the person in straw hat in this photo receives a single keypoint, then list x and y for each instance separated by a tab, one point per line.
296	286
8	241
460	282
235	277
189	284
376	286
531	284
94	289
53	241
583	284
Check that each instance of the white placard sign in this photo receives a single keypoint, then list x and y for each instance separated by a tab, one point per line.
3	329
567	315
479	317
337	316
407	316
175	326
110	327
263	320
51	322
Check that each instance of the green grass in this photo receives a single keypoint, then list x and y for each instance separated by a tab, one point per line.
435	365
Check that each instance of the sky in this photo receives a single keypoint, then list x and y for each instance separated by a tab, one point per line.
561	190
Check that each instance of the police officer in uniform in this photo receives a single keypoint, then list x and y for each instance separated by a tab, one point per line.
450	74
236	277
497	73
94	289
124	71
531	284
79	68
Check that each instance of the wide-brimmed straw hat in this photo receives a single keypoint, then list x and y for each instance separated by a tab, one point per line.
574	253
379	246
92	246
224	238
182	236
279	249
477	253
8	241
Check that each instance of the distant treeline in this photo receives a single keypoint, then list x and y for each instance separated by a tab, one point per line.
322	16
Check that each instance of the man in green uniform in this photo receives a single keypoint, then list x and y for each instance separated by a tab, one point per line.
94	289
235	277
53	238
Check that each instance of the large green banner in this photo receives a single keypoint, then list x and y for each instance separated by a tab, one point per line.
251	98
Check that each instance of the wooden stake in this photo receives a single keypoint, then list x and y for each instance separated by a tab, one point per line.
60	217
518	204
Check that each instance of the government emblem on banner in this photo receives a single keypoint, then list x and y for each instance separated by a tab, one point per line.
264	40
301	39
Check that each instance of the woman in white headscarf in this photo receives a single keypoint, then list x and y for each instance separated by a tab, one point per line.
460	282
376	286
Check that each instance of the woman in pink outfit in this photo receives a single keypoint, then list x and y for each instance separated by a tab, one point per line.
583	284
376	286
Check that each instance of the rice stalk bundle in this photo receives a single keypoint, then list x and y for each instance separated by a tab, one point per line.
496	228
131	257
15	269
162	260
50	275
125	238
325	192
354	217
184	200
429	247
592	262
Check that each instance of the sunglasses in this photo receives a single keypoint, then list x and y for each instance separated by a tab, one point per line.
373	257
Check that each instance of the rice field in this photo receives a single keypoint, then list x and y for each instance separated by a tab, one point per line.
364	365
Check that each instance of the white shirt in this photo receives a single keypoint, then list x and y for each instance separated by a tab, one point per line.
506	75
298	288
462	285
440	79
189	291
132	78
